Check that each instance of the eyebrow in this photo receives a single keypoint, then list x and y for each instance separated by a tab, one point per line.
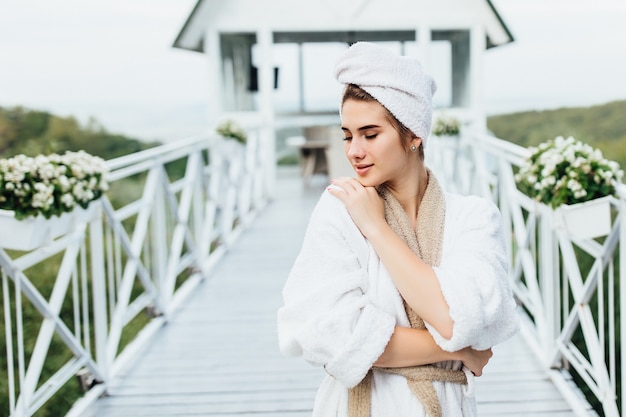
345	129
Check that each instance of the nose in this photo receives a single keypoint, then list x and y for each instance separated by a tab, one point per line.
355	149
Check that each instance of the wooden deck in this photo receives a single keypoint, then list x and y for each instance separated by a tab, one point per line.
219	355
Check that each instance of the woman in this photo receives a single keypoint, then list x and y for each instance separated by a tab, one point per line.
400	289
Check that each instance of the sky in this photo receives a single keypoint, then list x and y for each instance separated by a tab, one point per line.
113	60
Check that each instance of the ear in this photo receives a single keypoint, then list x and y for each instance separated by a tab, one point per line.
416	140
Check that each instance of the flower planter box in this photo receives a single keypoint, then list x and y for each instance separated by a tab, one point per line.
565	169
33	232
585	220
44	182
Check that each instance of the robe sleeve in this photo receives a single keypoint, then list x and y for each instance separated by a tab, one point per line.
473	275
327	316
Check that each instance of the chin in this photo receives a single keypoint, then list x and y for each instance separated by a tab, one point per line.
368	182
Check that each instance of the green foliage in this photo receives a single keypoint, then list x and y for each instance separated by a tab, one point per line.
602	126
33	132
289	159
446	125
231	129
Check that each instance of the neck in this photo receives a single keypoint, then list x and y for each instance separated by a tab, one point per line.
411	194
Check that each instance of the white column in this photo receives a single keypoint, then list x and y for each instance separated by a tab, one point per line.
266	108
423	42
214	70
478	46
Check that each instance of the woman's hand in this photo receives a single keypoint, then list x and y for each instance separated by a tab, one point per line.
475	360
363	203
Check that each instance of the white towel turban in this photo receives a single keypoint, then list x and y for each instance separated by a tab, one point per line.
398	82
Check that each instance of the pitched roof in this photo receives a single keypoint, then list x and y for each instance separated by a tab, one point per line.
191	35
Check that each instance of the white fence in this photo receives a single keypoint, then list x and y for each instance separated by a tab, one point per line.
568	287
171	212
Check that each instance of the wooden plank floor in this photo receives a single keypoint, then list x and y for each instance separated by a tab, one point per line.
218	356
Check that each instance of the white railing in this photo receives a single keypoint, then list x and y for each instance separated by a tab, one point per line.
171	213
567	287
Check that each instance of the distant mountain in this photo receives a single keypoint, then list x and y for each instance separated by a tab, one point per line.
602	126
34	132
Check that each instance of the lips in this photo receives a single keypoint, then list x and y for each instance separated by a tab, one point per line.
362	169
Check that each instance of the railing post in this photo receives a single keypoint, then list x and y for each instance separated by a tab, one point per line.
158	245
96	241
622	299
549	280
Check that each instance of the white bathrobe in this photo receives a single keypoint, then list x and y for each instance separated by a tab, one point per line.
341	306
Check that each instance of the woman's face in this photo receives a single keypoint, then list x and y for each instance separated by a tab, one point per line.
372	145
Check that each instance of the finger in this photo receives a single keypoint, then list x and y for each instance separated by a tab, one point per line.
336	190
355	183
345	183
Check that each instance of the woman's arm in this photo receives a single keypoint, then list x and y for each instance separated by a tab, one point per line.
465	301
416	281
414	347
327	316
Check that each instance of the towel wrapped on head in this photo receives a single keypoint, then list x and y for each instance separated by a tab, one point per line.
399	83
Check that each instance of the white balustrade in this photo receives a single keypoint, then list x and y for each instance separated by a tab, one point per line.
148	254
143	255
568	288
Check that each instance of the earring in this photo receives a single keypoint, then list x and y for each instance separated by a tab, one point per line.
413	148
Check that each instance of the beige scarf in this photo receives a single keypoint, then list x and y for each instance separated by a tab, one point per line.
426	242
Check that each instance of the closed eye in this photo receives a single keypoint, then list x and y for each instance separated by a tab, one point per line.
371	136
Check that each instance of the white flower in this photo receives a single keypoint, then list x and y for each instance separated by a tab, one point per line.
230	129
68	200
580	193
43	196
574	185
14	176
64	182
58	182
446	125
47	171
565	171
548	181
78	171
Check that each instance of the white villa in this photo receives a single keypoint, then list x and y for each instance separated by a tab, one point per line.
270	58
271	62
